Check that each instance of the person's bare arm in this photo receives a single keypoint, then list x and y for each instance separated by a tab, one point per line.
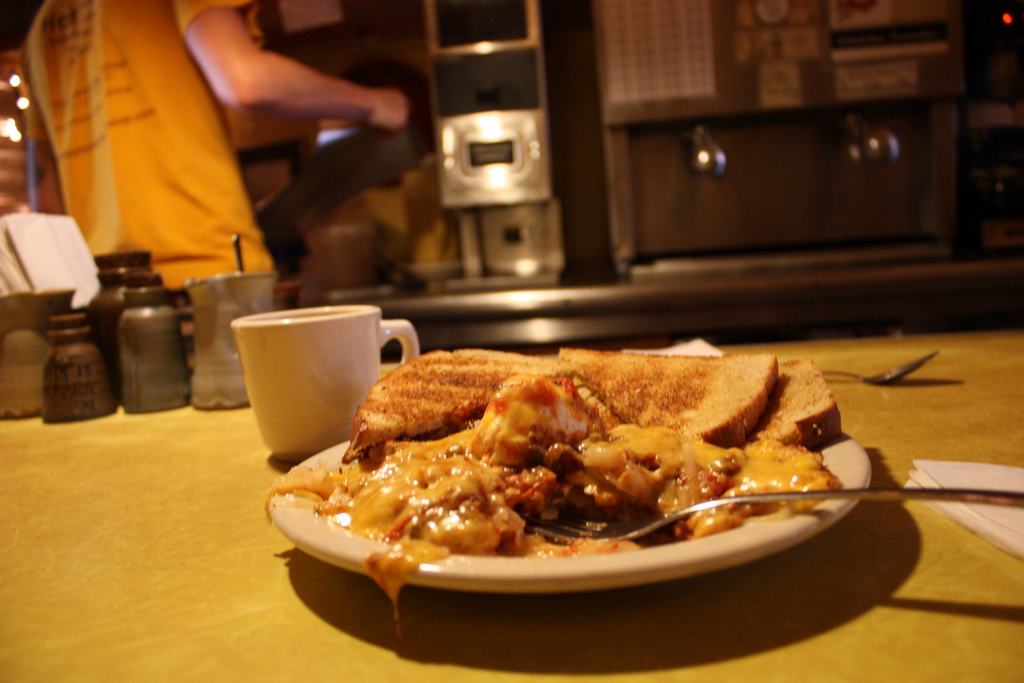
44	195
244	76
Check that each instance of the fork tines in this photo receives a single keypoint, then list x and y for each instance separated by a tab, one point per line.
566	526
575	521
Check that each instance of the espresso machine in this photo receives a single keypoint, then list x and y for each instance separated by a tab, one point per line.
494	165
762	134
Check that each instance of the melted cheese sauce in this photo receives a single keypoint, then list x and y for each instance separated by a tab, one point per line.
644	470
527	416
539	448
428	491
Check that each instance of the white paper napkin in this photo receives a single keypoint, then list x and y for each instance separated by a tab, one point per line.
53	254
12	277
1001	526
694	347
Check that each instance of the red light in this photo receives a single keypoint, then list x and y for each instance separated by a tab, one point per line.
1007	18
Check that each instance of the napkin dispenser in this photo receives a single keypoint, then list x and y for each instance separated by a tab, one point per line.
24	345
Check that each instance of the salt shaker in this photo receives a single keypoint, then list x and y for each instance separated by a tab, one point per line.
154	371
75	381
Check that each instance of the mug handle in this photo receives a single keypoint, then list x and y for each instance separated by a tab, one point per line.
405	333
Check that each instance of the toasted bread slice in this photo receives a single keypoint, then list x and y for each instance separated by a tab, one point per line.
437	394
716	399
801	410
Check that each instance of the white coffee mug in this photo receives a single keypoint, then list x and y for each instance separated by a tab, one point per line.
308	369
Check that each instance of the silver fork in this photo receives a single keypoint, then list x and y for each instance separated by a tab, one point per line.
568	527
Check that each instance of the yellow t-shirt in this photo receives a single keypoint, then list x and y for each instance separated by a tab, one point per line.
141	143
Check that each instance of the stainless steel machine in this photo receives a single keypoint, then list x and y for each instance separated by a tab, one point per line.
772	133
490	115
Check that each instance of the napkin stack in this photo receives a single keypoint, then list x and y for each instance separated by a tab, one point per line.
12	277
1001	526
44	252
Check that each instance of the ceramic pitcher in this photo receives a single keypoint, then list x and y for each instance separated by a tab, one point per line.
217	380
24	322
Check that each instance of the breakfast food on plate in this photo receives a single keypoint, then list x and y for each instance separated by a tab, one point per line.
801	410
451	450
717	399
440	393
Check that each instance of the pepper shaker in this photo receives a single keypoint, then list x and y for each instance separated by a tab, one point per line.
154	371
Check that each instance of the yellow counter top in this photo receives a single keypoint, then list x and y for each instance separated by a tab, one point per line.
135	548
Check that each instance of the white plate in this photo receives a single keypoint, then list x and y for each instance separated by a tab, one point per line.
327	541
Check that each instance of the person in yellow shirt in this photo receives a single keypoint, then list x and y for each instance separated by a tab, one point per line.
127	134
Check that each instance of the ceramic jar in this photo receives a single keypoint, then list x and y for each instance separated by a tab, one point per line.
75	381
154	372
106	307
24	321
